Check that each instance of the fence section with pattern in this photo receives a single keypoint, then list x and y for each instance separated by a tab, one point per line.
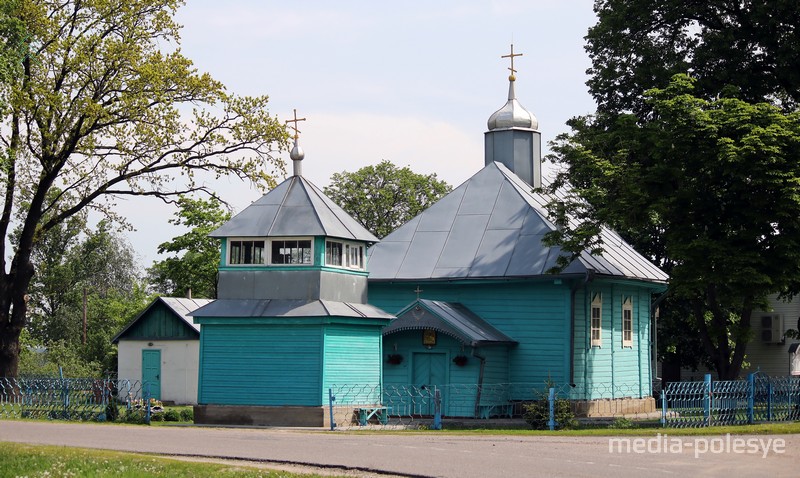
410	406
66	398
759	398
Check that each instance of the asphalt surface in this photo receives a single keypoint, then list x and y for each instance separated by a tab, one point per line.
436	455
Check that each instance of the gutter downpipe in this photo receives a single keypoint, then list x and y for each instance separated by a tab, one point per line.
588	278
654	353
482	359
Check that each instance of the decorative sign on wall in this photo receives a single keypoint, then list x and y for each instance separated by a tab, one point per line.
429	337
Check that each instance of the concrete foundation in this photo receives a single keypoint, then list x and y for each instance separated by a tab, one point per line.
261	416
613	407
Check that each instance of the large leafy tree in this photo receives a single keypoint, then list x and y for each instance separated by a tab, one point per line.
720	181
383	197
82	271
194	258
732	50
752	47
98	110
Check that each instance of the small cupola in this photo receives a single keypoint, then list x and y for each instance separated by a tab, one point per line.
294	243
513	137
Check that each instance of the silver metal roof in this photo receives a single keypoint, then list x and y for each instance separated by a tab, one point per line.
288	308
295	207
449	318
492	227
180	306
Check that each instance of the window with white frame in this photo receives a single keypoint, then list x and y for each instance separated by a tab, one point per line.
627	322
246	251
355	256
344	254
597	320
291	251
333	253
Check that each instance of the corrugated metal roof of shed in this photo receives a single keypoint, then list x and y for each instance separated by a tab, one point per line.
180	306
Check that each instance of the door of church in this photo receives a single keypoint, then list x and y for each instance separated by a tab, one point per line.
429	371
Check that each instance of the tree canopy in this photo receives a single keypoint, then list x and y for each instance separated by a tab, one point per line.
383	197
105	105
195	256
720	182
81	271
697	170
752	48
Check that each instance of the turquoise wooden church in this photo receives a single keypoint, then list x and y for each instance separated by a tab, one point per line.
468	279
291	318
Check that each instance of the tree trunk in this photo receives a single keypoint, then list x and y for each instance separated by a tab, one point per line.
9	349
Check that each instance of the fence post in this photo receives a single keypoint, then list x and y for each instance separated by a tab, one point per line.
331	399
147	403
663	406
751	401
769	400
551	398
437	408
707	400
64	394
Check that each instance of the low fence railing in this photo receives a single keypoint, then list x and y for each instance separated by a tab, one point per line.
759	398
69	398
409	405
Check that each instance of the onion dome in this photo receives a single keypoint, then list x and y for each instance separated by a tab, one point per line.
512	114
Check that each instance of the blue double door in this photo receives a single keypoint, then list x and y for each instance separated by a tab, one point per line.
429	372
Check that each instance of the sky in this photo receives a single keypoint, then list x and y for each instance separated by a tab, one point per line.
412	82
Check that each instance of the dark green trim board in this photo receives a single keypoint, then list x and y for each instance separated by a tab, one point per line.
157	322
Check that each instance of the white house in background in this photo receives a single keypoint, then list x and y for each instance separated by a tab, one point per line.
770	351
161	347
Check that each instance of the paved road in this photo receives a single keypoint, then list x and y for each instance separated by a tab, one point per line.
433	455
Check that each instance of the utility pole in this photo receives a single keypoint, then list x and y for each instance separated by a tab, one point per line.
84	315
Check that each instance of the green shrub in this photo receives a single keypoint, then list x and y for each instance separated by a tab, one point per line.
622	422
158	417
112	410
187	415
171	416
537	414
133	416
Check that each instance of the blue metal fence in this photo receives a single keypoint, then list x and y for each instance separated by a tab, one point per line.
759	398
69	398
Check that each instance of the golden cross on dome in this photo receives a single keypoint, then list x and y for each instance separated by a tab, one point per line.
418	292
512	55
294	126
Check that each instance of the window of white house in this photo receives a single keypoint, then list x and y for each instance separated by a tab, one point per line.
342	254
597	320
291	251
246	252
627	322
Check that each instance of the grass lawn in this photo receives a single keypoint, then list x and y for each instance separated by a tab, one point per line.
39	460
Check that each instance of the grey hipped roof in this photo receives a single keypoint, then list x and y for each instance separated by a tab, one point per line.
449	318
288	308
295	207
180	306
492	226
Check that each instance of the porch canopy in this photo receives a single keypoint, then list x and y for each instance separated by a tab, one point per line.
449	318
